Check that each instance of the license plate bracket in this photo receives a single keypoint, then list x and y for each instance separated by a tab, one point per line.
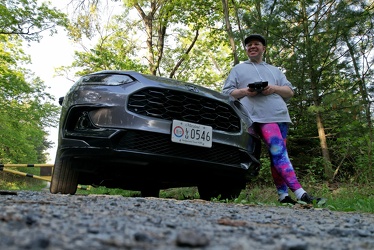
191	133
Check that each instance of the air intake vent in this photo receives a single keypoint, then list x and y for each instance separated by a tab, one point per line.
170	104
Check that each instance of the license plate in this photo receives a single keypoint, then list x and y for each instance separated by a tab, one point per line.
191	134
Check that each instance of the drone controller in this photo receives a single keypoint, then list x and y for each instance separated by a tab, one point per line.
257	86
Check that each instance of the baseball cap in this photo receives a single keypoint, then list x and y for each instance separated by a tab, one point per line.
255	37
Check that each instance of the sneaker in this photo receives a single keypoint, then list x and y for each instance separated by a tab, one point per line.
288	200
311	199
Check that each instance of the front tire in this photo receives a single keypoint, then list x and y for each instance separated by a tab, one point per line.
64	178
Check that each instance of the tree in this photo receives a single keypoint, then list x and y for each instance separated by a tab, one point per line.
171	27
26	110
358	40
116	49
28	19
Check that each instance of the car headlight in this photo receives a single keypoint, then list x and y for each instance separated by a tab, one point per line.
105	79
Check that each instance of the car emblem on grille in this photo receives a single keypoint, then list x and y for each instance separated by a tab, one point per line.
192	88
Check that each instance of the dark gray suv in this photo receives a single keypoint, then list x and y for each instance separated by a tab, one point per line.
123	129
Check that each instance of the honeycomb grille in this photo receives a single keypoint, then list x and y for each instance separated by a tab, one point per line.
161	144
176	105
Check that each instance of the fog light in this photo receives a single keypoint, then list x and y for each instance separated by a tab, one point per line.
83	122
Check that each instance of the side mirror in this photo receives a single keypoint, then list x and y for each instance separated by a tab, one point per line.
60	100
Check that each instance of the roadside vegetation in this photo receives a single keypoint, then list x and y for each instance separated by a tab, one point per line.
342	197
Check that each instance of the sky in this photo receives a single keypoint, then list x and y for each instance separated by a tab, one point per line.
50	53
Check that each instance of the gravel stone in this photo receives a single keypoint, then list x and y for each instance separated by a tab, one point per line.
40	220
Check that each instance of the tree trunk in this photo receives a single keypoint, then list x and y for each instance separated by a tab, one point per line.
314	76
230	35
325	151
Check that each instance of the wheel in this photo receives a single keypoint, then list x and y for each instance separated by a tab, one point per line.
208	191
64	178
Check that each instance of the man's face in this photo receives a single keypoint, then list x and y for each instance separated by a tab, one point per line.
255	49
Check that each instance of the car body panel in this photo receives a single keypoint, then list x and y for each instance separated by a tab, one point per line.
115	131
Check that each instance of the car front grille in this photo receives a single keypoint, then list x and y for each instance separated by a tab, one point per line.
161	144
177	105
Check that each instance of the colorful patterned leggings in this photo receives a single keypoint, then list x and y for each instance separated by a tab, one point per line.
274	136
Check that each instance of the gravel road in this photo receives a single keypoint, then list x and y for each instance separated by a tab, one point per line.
40	220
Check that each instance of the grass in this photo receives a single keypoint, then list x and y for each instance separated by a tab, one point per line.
10	181
342	197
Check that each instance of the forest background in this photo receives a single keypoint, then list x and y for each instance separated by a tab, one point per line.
325	49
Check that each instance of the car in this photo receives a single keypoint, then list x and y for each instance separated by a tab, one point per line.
133	131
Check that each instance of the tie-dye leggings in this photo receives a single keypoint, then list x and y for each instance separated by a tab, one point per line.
274	136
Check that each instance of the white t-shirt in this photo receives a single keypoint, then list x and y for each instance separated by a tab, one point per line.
261	108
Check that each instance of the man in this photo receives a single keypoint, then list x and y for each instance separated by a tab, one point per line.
267	107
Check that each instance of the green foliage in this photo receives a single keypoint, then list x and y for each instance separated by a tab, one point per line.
175	193
313	171
10	181
264	176
339	196
211	60
186	193
27	19
86	190
25	109
117	51
351	198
